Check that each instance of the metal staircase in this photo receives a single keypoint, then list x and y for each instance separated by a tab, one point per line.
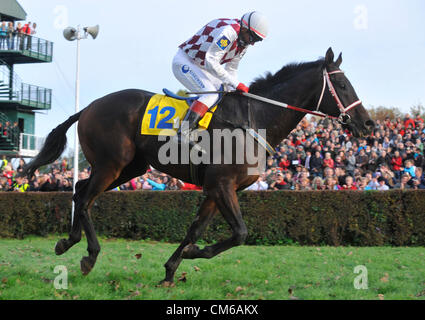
9	135
6	92
20	101
14	91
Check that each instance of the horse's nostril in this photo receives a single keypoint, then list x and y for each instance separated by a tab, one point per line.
370	124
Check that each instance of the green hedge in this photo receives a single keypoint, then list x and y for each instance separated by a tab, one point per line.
309	218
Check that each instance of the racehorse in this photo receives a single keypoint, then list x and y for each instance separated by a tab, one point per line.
109	135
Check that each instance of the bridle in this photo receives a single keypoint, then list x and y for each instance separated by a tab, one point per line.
344	117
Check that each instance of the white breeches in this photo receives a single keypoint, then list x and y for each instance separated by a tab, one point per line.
196	79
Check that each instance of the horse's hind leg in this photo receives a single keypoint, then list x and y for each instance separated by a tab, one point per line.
206	212
64	245
135	168
100	179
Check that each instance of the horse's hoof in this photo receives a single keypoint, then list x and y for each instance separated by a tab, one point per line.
86	266
166	284
60	247
189	251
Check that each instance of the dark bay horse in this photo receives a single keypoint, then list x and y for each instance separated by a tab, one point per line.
109	133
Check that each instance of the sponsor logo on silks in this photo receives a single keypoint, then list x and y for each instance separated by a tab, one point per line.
196	79
185	69
223	43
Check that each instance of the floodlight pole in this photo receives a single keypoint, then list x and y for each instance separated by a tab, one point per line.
77	109
72	34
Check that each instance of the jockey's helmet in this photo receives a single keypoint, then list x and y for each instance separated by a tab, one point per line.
257	24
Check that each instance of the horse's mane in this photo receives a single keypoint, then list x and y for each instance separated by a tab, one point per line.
283	75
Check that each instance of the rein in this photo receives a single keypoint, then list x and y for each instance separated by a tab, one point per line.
343	118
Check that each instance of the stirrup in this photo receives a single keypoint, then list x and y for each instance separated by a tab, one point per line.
179	139
197	147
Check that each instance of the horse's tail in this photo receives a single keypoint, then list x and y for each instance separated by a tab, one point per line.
53	146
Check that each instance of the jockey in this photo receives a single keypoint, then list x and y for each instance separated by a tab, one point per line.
210	59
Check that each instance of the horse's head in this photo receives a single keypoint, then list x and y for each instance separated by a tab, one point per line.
339	99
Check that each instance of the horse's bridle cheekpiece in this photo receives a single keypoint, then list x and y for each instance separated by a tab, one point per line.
344	117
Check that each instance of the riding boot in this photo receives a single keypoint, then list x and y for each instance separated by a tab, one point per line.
196	111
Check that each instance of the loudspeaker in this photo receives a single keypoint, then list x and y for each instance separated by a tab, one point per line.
70	34
93	31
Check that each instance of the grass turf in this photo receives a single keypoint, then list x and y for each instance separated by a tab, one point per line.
132	269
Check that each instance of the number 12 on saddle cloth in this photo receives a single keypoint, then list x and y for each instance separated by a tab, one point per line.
164	114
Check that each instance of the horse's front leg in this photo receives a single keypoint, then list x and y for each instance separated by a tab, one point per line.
206	212
227	202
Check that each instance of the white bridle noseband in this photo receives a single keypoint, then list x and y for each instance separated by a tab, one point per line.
327	81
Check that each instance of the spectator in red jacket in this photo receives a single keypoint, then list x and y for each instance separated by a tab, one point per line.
396	163
189	187
284	162
279	183
418	119
349	184
26	30
409	121
8	173
328	161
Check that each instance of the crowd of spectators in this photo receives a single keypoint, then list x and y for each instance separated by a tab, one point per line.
60	178
320	155
16	37
8	129
317	155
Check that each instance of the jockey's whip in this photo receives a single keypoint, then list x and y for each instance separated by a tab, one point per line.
246	94
209	92
269	101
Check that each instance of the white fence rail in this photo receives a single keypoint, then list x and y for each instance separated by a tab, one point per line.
30	145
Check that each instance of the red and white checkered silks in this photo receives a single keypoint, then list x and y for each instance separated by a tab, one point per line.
210	59
200	44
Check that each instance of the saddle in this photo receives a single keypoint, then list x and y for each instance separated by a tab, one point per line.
164	113
189	100
173	107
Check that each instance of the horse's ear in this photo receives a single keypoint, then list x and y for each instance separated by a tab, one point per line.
339	60
329	56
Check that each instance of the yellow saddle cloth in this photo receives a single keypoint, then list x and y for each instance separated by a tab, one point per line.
164	114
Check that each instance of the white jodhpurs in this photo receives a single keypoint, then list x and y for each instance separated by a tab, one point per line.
196	79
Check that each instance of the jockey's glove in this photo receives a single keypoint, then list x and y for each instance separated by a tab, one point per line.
242	87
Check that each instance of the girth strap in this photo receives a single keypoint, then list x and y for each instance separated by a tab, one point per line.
194	173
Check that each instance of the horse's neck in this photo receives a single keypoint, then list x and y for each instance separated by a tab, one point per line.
278	121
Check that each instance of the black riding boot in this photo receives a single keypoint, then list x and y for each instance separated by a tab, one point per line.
189	123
